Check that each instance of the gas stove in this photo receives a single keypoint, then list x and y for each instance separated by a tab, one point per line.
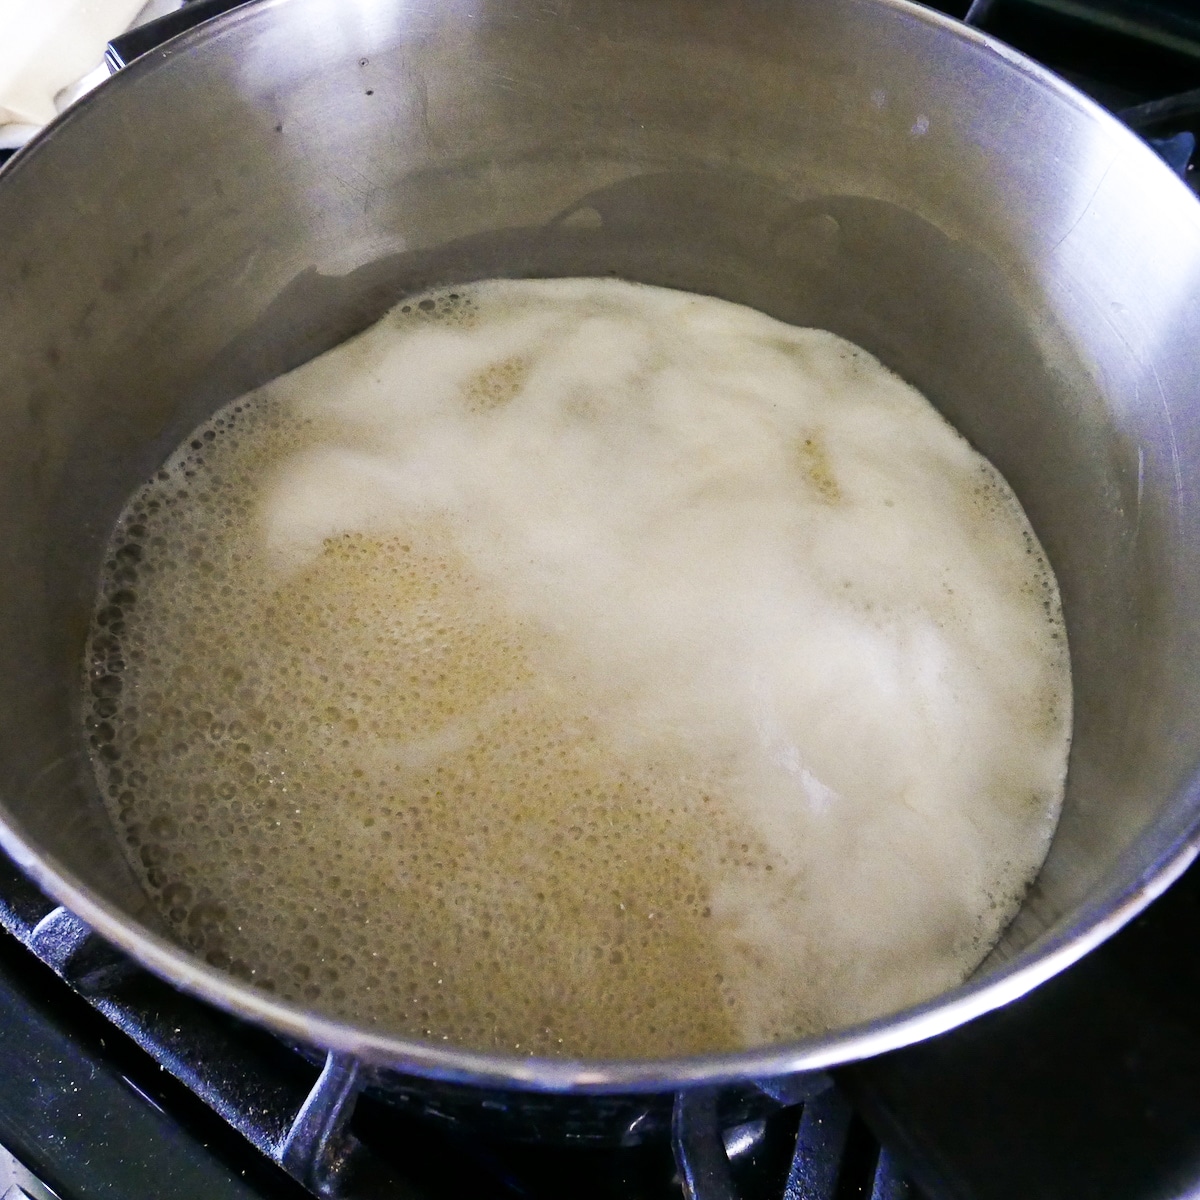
114	1085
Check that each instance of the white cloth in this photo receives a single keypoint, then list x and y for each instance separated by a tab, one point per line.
46	45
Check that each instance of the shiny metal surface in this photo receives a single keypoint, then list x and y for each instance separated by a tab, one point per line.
261	188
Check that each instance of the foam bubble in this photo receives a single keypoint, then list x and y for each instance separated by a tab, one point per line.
581	667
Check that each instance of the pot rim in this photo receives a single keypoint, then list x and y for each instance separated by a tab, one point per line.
1110	907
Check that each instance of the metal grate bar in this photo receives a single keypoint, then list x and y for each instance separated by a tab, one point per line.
978	12
889	1184
820	1144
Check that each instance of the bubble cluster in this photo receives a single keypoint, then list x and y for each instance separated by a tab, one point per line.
440	767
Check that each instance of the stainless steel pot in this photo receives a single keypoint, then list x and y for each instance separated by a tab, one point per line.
266	185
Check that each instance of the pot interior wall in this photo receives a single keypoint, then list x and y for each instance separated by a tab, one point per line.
265	188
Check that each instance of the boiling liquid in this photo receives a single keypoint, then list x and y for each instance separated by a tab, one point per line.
583	667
